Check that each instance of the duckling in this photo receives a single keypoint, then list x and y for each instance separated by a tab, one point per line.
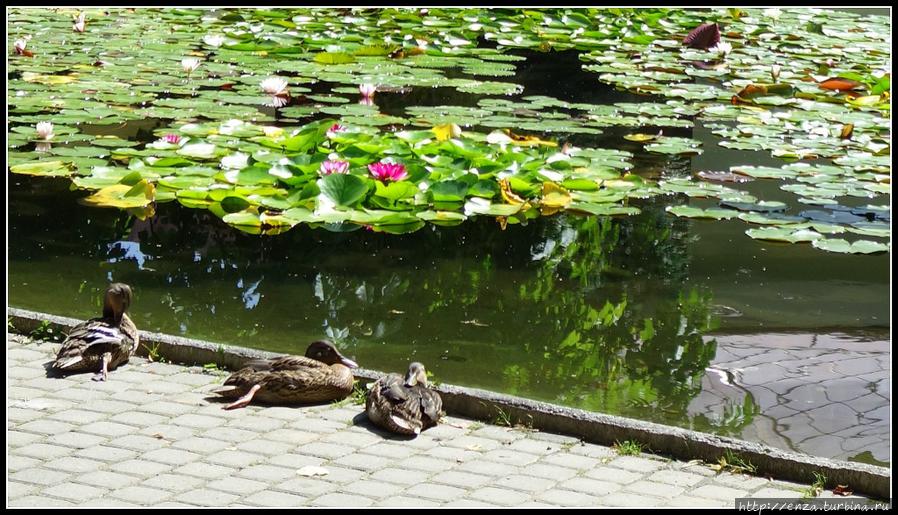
323	375
104	342
405	406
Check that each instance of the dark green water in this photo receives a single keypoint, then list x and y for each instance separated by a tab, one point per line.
609	314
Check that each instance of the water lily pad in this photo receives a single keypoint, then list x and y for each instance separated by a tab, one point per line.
783	234
856	247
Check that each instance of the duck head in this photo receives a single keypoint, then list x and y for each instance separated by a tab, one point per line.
416	375
116	301
325	352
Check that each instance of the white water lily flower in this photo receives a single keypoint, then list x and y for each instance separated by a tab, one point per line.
213	40
775	72
190	64
235	161
79	23
20	45
722	48
44	130
367	90
274	86
772	13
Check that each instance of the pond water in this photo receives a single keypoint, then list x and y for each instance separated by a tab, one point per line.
680	321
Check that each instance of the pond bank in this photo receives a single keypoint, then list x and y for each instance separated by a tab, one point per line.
591	427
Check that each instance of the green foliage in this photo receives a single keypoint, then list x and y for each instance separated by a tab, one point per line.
628	448
46	332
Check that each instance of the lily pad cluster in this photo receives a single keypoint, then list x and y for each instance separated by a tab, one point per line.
802	84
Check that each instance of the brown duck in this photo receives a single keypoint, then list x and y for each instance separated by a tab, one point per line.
405	406
103	343
323	375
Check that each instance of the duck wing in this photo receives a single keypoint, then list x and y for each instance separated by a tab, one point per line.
284	363
431	406
87	342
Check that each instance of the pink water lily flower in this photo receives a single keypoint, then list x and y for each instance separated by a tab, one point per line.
79	23
333	166
334	129
172	139
20	45
388	171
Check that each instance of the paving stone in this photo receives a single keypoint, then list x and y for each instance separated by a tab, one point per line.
499	496
108	502
267	473
353	439
141	495
20	439
137	418
173	482
71	464
257	424
501	434
557	497
306	486
16	463
229	434
204	470
169	432
533	446
43	451
614	475
207	497
468	503
591	486
76	440
235	459
106	479
676	477
291	436
73	492
406	502
524	483
23	415
397	476
171	456
108	429
510	457
108	406
324	450
39	476
593	451
654	489
275	499
571	461
342	475
15	489
237	485
427	464
718	492
266	447
488	468
474	443
167	408
317	425
697	502
774	493
435	491
341	500
200	445
372	489
78	416
46	427
741	481
196	421
296	461
550	471
105	453
461	479
38	501
637	464
140	467
388	450
626	499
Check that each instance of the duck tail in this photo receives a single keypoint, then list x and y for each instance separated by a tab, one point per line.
67	362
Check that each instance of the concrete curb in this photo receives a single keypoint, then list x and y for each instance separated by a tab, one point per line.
589	426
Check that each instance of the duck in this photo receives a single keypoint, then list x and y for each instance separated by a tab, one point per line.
405	406
101	343
322	375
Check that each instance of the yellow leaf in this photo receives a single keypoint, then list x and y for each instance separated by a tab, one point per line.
446	131
123	196
555	198
511	197
50	80
640	137
528	141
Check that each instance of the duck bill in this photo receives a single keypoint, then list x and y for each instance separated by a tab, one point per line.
348	362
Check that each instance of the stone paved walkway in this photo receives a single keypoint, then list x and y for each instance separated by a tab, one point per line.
152	436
